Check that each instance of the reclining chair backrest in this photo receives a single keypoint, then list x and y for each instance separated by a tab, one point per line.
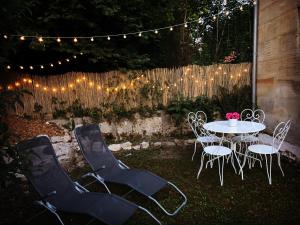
94	148
43	169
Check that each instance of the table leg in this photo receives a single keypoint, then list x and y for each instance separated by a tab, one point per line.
233	148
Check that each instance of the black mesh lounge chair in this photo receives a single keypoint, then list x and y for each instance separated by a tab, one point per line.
106	168
59	193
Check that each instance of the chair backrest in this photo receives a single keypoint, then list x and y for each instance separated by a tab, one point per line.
42	168
279	134
196	122
94	148
257	115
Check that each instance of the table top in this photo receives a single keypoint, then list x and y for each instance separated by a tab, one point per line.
242	127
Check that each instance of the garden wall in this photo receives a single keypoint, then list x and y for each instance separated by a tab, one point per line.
150	88
278	71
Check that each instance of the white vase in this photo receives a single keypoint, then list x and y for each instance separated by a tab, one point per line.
232	122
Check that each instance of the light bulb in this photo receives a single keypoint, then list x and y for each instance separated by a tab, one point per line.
185	25
8	67
5	36
21	67
42	67
51	65
75	40
45	88
108	37
81	53
241	8
37	85
58	40
68	60
17	84
124	36
171	28
92	39
156	31
22	38
214	17
59	62
227	13
40	39
31	67
74	56
140	34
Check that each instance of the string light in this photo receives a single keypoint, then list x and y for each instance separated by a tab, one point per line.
92	39
45	88
108	37
185	25
5	36
21	67
214	17
51	65
8	67
22	38
59	62
75	40
156	31
140	34
42	67
37	85
58	40
74	56
40	39
68	60
31	67
171	28
17	84
241	8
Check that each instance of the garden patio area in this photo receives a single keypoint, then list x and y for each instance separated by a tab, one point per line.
169	112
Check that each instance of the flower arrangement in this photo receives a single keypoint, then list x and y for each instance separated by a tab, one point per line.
231	57
232	115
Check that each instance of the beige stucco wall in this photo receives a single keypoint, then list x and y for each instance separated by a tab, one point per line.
278	69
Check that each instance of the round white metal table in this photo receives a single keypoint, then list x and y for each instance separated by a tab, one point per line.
242	127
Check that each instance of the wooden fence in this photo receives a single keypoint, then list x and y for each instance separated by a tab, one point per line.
131	89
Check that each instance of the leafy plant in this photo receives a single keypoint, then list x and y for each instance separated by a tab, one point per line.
207	105
59	108
9	159
77	110
234	100
38	109
179	108
96	114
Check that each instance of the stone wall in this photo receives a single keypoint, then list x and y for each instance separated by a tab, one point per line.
278	69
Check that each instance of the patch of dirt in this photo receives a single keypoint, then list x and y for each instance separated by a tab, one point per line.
21	128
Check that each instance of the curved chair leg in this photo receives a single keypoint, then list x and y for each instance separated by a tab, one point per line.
201	164
195	149
51	209
269	168
221	169
149	213
232	162
279	163
178	208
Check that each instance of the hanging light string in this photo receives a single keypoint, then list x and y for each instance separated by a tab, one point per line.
139	81
200	20
45	65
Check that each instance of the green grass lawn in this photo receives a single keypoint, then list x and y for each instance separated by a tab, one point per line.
251	201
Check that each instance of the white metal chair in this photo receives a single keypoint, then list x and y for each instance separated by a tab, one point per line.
196	121
279	135
216	152
258	116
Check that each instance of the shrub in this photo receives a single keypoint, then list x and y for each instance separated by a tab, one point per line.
77	110
59	110
234	100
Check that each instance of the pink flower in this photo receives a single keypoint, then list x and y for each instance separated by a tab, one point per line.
232	115
228	115
235	115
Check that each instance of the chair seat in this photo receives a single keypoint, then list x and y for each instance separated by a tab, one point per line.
245	138
261	149
217	150
208	139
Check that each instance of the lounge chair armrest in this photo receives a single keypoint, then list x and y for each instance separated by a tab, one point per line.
123	164
47	195
80	188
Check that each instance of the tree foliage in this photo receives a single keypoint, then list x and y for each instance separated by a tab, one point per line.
86	18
